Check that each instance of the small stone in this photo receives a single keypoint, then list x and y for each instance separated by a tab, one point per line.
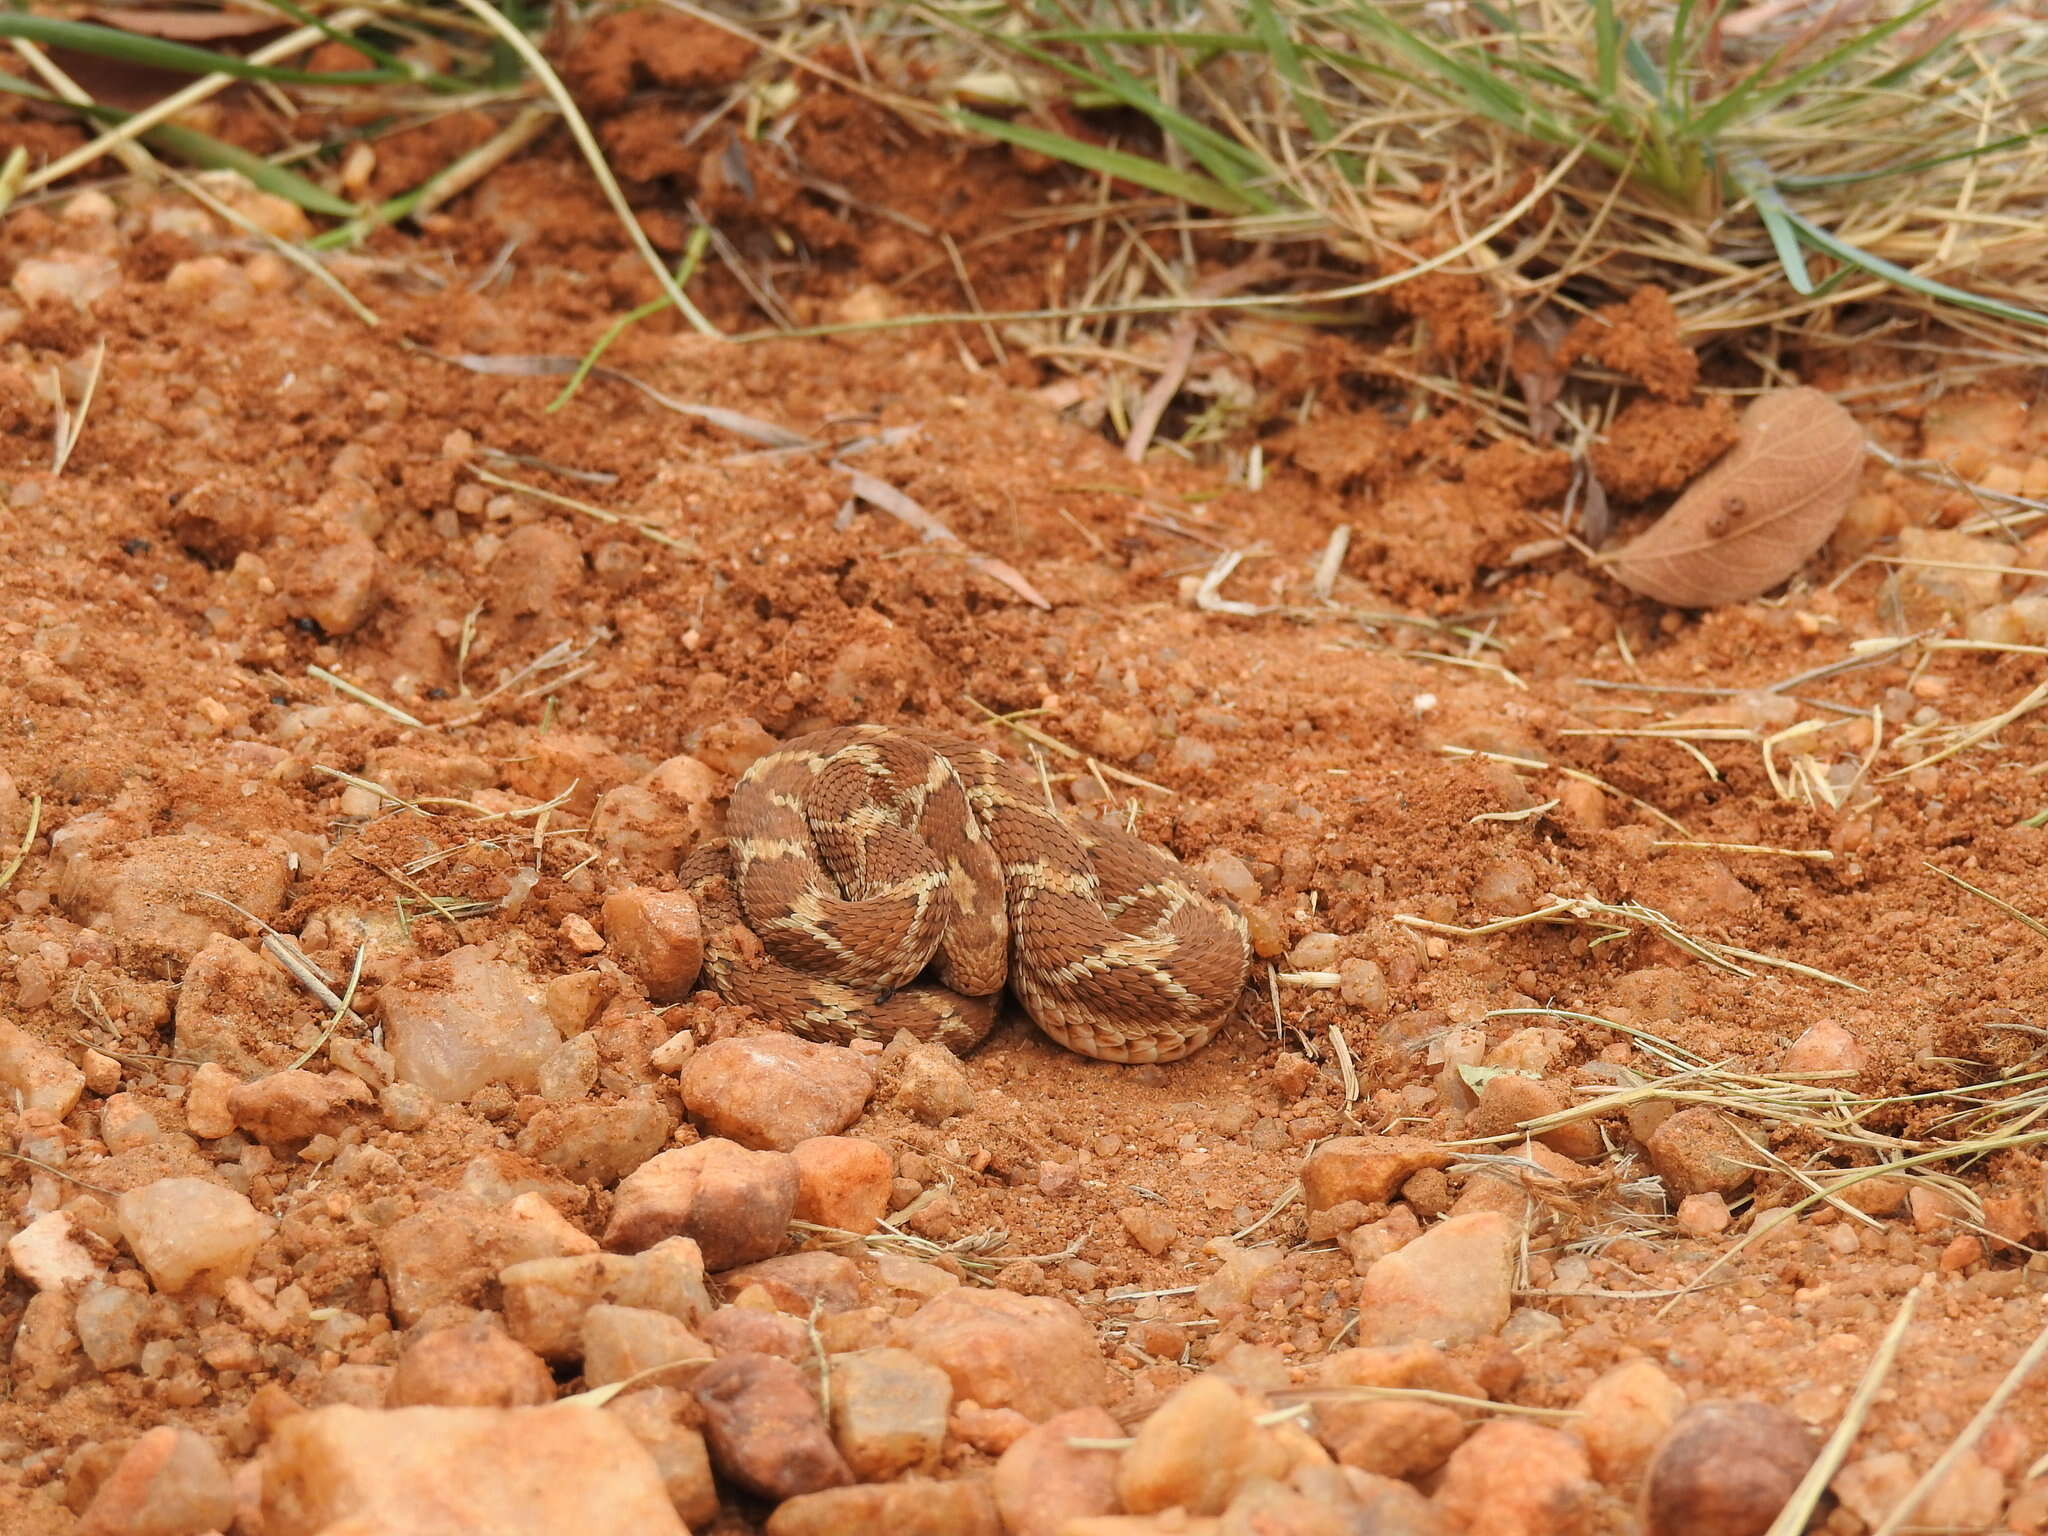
580	936
620	1343
1314	952
569	1071
1268	1508
51	1254
1872	1487
1391	1437
1515	1479
170	1483
455	1024
75	279
755	1330
674	1053
45	1345
35	1076
546	1299
110	1321
1624	1416
189	1233
1368	1169
126	1124
925	1081
888	1412
405	1106
842	1182
1963	1250
1826	1051
1453	1284
470	1365
102	1073
539	1230
1703	1215
662	1419
1030	1353
962	1507
1149	1227
1373	1241
1362	984
207	1115
658	937
764	1428
1196	1451
1043	1481
773	1091
454	1471
1726	1469
446	1253
295	1106
1237	1273
991	1431
1698	1151
1508	1100
734	1203
814	1284
1969	1497
597	1143
1933	1210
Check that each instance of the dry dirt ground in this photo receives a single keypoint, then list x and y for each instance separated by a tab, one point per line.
267	494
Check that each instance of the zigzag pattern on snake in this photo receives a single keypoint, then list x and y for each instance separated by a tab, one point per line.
859	857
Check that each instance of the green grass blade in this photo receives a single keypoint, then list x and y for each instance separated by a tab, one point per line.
1752	95
1272	32
200	149
204	151
1482	90
693	256
1642	68
1606	48
1201	191
1912	168
363	45
1225	159
1753	179
181	58
1892	272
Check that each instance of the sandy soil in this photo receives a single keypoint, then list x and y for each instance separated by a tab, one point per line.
264	485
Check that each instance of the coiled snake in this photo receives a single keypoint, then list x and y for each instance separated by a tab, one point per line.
857	857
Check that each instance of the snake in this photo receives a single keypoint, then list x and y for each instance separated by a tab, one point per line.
874	879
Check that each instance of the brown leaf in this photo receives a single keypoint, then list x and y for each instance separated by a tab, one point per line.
188	26
1759	514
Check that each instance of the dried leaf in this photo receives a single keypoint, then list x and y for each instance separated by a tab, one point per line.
1759	514
211	26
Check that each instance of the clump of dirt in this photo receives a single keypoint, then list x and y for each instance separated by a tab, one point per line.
362	646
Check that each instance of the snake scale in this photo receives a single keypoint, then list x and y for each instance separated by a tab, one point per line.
858	858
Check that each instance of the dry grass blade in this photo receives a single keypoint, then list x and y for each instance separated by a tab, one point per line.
1983	730
1972	1432
543	365
183	100
364	696
28	841
588	509
1799	1508
586	141
2004	906
884	496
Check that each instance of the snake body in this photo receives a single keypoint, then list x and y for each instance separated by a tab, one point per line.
860	857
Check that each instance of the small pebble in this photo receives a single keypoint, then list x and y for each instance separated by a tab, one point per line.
1726	1469
764	1428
